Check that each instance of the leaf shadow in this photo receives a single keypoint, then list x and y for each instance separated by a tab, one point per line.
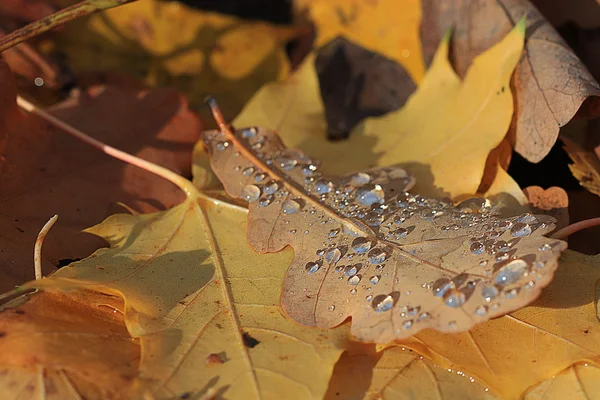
353	373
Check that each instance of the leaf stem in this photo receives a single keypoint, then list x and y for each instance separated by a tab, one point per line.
58	18
37	250
165	173
576	227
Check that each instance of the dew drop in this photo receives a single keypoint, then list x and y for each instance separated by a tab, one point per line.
477	248
309	169
502	257
351	270
399	233
473	205
334	232
427	214
323	187
287	163
527	218
454	299
331	308
290	207
223	145
481	310
271	187
511	272
374	279
369	297
248	171
353	291
370	194
377	256
312	267
441	286
373	219
361	245
333	255
512	293
354	280
545	247
383	303
407	324
360	179
260	177
265	201
489	293
250	193
423	316
520	229
483	263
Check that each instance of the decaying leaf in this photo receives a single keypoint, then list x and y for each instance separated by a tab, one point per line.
395	35
515	352
66	346
586	165
553	201
170	44
578	382
356	83
399	373
43	171
365	248
443	134
205	305
550	82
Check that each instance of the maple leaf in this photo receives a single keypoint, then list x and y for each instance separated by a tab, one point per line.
44	172
66	346
204	304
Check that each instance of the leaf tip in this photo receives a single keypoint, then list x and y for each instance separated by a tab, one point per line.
521	26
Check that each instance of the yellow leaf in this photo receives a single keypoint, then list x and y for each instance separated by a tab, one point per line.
66	346
519	350
388	27
169	44
443	134
204	304
578	382
399	373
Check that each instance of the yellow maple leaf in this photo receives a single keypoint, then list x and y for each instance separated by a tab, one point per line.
443	134
388	27
204	304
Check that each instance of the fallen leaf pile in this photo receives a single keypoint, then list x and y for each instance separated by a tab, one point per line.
351	229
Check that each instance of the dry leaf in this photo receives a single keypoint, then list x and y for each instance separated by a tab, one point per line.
356	83
446	153
58	346
586	165
395	35
550	82
395	262
170	44
44	171
205	305
578	382
553	201
512	353
399	373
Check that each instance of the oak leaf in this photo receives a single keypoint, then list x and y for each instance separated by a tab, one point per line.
578	382
43	171
396	263
550	81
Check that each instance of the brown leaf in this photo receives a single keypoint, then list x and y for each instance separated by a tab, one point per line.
45	172
394	262
356	83
553	201
60	346
550	82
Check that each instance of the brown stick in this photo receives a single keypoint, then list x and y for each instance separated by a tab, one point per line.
63	16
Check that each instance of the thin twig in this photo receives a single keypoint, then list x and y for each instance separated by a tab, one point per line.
576	227
169	175
37	250
60	17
